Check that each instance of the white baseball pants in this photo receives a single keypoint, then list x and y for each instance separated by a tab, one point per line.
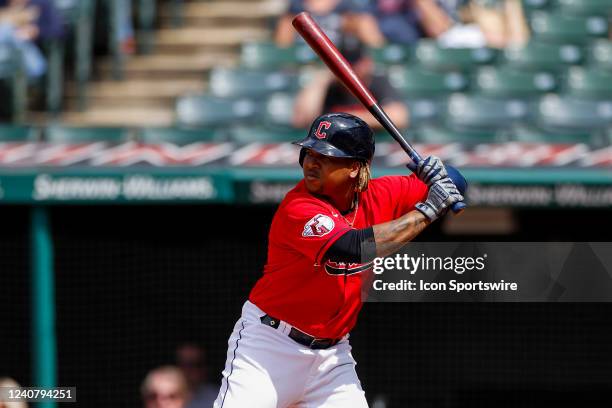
265	368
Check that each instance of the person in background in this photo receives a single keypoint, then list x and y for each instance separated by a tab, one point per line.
9	382
165	387
336	17
191	359
326	94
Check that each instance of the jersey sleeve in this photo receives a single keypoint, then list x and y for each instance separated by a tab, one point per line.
310	228
403	191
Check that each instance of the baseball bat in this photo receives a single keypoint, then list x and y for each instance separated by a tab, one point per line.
335	61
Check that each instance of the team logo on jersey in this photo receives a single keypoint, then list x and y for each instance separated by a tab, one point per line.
322	125
343	268
318	226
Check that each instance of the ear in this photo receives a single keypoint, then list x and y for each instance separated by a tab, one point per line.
355	167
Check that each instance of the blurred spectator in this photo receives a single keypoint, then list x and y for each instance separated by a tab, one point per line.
9	382
191	359
336	18
165	387
405	21
125	27
326	94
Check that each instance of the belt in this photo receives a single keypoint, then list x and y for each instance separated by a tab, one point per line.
301	337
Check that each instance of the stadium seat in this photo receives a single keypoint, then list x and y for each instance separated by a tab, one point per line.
415	81
279	109
180	136
267	55
589	82
601	54
392	54
567	29
432	56
476	112
80	17
69	134
444	135
508	83
266	134
585	7
425	110
17	133
565	112
226	82
531	5
533	134
12	73
205	110
540	56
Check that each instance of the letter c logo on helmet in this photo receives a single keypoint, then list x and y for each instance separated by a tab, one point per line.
323	124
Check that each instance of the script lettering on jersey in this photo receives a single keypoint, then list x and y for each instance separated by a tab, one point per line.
342	268
319	133
318	226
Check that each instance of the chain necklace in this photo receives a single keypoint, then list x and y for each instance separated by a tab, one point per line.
350	223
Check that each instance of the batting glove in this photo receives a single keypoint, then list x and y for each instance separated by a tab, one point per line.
429	170
442	195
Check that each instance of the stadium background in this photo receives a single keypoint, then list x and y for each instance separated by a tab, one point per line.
135	277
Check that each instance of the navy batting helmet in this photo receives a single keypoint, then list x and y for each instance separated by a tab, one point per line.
339	135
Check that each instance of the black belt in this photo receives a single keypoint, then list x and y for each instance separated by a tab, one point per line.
301	337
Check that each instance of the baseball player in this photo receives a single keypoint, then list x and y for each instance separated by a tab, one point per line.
290	347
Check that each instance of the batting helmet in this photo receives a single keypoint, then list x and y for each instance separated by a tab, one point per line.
339	135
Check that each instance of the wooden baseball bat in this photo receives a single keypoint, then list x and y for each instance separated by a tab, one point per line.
335	61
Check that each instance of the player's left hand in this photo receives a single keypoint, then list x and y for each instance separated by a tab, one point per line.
429	170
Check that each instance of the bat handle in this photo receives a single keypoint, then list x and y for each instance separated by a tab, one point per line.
462	186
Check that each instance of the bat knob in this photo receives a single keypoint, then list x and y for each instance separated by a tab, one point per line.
461	184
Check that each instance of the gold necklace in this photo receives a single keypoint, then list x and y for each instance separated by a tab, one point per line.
350	223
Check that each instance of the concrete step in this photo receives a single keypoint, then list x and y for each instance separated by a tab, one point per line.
121	116
237	9
198	36
217	22
169	66
140	88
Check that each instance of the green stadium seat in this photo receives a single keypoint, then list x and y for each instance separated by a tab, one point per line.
508	83
257	55
415	81
565	112
266	134
392	54
567	29
589	82
425	110
231	83
444	135
18	133
585	7
13	74
432	56
209	111
69	134
601	54
466	111
180	136
279	109
533	134
530	5
541	56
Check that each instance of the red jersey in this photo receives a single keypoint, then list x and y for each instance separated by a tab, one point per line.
323	300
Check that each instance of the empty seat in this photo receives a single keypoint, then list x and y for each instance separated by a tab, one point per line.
17	133
432	56
268	55
180	136
13	74
69	134
477	112
567	29
586	7
507	82
392	54
279	109
425	110
445	134
543	56
601	54
225	82
565	112
534	134
415	81
205	110
589	82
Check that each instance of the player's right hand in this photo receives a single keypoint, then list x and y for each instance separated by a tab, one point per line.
442	195
429	170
